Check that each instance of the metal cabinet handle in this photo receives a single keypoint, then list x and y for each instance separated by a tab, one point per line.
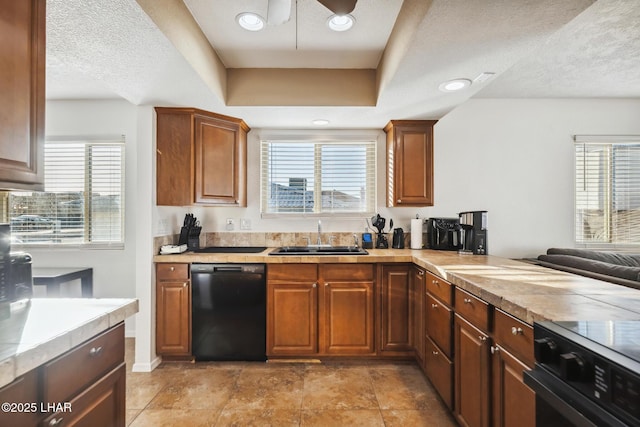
55	421
467	301
434	305
420	273
326	284
314	285
172	269
435	353
482	338
95	351
516	331
435	282
495	349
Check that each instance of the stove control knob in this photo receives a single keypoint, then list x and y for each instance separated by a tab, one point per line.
545	350
572	367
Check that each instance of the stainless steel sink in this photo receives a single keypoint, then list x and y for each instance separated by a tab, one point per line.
319	250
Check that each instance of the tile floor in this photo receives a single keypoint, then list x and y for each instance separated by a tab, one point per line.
282	394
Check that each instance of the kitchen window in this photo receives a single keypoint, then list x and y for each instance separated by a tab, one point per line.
607	193
305	177
83	201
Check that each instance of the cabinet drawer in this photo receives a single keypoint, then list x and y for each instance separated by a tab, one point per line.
346	272
68	374
439	369
293	272
514	335
472	308
439	323
172	271
440	288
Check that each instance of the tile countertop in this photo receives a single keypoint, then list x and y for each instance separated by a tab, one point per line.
42	329
526	291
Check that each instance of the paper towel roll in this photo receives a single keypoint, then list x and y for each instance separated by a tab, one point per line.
416	233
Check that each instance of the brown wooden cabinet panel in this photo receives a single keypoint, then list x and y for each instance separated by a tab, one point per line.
514	403
292	318
515	335
439	324
101	405
22	390
201	158
439	369
173	311
418	286
472	374
410	162
440	288
396	319
22	86
473	309
348	318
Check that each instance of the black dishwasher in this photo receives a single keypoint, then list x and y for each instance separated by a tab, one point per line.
228	311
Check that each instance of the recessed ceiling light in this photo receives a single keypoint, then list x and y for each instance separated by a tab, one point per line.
250	21
455	85
320	122
340	22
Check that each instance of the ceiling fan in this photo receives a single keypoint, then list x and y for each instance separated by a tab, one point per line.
279	11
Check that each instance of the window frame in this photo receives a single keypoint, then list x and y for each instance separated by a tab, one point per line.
604	141
88	140
316	137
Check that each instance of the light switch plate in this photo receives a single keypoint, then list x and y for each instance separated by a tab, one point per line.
245	224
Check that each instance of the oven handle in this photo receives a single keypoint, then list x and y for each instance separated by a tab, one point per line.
574	406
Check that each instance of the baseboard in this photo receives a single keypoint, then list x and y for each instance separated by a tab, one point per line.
146	367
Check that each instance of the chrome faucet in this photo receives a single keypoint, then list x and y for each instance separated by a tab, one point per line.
319	231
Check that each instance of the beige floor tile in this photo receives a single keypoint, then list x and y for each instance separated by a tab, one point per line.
342	418
338	387
258	417
197	389
268	387
175	418
428	418
131	414
402	387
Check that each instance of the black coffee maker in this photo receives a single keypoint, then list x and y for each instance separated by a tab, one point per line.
473	232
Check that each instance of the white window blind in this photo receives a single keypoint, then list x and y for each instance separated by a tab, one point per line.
83	201
607	194
318	177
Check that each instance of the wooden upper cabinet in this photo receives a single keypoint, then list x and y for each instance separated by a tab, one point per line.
22	81
201	158
410	162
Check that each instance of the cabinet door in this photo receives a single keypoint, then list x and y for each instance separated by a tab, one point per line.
439	370
472	373
173	315
220	162
23	390
348	318
396	317
417	300
439	323
514	403
292	319
22	78
410	162
100	405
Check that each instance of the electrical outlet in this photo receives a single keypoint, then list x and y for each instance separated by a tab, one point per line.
231	224
245	224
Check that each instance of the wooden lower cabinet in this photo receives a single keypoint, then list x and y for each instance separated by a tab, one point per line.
292	310
324	309
173	310
439	370
83	387
396	318
514	403
472	374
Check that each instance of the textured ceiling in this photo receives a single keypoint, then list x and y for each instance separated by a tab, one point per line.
544	48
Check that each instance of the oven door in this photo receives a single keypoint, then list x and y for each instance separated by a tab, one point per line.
558	404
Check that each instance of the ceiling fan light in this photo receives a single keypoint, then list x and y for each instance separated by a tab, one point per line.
250	21
455	85
341	22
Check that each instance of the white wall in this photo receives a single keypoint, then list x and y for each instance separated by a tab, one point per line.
513	158
113	269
